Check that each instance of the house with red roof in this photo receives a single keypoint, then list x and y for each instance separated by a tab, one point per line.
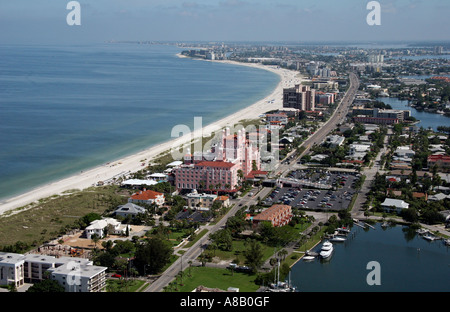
147	197
442	162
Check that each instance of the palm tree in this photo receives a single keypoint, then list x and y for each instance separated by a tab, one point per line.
283	253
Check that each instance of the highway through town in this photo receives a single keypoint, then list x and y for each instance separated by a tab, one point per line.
337	117
193	252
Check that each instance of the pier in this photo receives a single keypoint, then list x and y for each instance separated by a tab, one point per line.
363	224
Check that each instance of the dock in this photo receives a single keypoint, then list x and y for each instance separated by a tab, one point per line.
363	224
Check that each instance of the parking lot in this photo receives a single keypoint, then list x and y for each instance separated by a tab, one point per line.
306	198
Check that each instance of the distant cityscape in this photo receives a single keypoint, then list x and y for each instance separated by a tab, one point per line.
345	156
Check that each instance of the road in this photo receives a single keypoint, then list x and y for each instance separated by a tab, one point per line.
337	117
192	253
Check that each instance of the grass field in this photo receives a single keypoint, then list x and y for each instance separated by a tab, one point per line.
213	278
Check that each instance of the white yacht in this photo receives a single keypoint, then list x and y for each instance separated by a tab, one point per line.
327	249
338	238
308	258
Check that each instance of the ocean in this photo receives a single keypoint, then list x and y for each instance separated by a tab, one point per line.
65	109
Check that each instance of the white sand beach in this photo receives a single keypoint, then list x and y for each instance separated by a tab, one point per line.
133	163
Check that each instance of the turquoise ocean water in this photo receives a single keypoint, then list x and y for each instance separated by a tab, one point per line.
64	109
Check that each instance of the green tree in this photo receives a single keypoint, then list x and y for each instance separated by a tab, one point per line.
152	255
253	254
46	285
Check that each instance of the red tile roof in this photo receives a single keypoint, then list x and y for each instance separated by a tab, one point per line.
146	195
443	158
221	164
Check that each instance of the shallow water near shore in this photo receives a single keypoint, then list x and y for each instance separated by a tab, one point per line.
408	263
65	109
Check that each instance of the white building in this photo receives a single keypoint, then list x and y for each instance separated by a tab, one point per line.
281	117
358	148
74	274
12	267
335	140
79	277
397	205
405	152
201	201
98	227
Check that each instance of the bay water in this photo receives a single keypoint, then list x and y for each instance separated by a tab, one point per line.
426	119
407	263
64	109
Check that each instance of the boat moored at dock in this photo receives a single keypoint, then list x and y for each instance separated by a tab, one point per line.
326	250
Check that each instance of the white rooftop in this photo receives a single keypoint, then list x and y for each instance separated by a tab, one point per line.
397	203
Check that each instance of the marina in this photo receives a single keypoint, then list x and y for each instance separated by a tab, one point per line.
398	249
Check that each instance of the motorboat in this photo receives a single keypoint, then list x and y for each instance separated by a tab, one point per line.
308	258
338	239
429	237
326	250
422	231
343	229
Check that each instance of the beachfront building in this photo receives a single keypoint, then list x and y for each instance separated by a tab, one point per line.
229	162
99	227
12	269
278	117
74	274
277	215
147	197
300	97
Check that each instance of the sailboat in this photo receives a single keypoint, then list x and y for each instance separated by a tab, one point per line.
281	286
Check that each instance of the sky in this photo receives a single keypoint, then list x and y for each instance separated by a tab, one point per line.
44	21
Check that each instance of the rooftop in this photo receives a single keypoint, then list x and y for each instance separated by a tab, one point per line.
146	195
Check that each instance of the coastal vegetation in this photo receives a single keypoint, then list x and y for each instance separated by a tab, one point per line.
30	226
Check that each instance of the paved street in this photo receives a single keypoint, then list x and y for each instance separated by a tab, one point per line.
192	253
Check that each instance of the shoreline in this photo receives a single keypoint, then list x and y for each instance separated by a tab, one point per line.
133	163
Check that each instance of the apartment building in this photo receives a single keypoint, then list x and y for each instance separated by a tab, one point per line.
74	274
442	162
12	269
300	97
77	277
278	215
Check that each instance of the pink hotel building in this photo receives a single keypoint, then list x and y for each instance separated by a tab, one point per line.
220	171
